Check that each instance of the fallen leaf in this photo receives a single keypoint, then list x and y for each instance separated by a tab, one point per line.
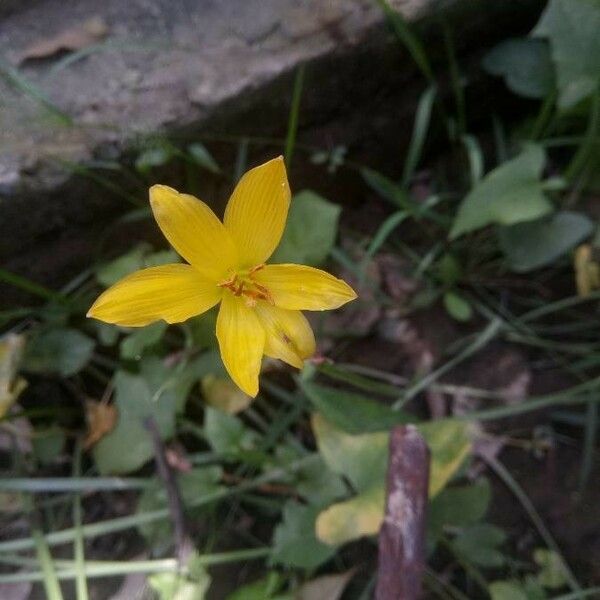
327	587
74	38
587	270
11	351
101	418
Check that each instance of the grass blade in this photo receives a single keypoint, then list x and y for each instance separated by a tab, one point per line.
78	543
292	130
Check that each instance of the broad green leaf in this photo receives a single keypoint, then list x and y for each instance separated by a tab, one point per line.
552	574
479	545
525	64
507	590
227	434
572	28
360	516
294	541
135	343
263	589
353	413
511	193
195	483
221	393
458	308
202	157
175	586
535	244
129	445
63	351
310	231
459	506
317	484
326	587
202	329
48	444
360	458
450	445
139	257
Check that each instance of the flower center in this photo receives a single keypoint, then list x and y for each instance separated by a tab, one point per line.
244	284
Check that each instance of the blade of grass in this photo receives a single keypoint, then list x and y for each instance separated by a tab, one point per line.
241	159
408	39
589	443
121	523
475	157
78	543
419	133
114	568
72	484
31	287
504	475
457	88
292	129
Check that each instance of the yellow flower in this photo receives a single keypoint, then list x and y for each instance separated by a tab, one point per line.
260	304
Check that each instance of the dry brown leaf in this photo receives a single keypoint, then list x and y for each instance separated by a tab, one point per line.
327	587
74	38
101	419
11	385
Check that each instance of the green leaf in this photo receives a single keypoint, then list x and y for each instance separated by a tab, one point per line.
129	445
263	589
360	458
450	445
202	157
458	308
63	351
295	543
176	586
479	545
572	28
135	343
525	64
552	574
350	412
48	444
511	193
535	244
227	434
459	506
507	590
153	157
197	482
386	188
310	231
360	516
317	484
221	393
138	258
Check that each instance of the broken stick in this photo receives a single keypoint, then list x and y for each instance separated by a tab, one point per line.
402	534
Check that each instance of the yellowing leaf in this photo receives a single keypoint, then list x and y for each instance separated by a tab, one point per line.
449	444
223	394
354	518
11	386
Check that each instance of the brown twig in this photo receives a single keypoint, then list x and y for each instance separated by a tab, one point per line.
183	543
402	534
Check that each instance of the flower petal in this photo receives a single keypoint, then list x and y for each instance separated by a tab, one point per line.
289	335
241	341
194	230
298	287
170	292
257	210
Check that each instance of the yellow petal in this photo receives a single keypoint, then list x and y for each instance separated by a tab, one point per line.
194	230
298	287
241	341
289	335
170	292
257	211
